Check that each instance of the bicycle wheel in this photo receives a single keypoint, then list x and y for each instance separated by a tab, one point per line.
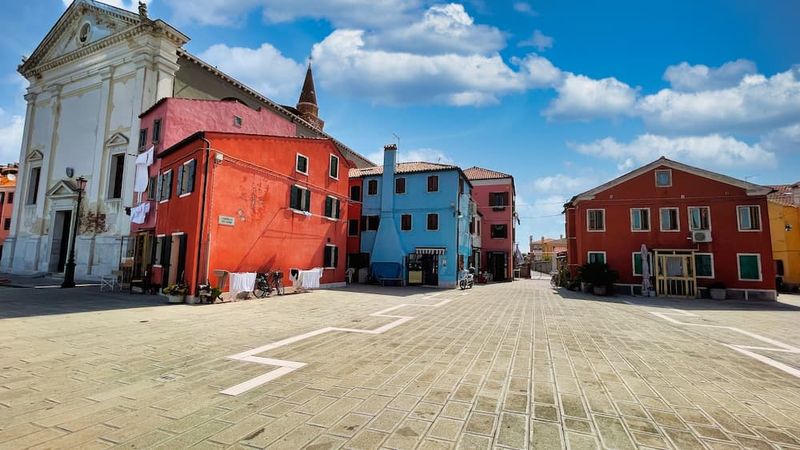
279	287
261	290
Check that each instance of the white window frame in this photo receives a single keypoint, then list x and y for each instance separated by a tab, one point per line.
649	221
339	208
161	185
588	222
713	272
183	178
669	171
412	222
677	220
237	121
337	256
689	217
332	165
37	188
589	253
633	262
297	160
300	211
739	267
427	223
739	218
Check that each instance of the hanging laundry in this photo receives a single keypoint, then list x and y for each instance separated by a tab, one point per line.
241	282
143	161
139	213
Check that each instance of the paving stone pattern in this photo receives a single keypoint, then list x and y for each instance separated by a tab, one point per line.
510	365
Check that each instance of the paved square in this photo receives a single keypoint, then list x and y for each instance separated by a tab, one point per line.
510	365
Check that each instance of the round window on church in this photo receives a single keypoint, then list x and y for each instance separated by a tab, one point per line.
84	33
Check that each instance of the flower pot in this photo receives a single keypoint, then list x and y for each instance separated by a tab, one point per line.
175	298
718	294
586	287
599	290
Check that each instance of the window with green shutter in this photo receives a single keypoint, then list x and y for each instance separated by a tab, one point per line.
749	267
704	265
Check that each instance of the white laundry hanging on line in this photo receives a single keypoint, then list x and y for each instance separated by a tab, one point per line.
242	281
139	213
143	161
309	279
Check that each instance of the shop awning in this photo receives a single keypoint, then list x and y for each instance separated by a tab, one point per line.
430	250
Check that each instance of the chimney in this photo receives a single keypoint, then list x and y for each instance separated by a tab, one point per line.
387	181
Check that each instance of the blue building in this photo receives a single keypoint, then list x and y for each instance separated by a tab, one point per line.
415	220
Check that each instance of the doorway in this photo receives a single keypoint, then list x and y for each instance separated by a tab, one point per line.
59	249
675	274
496	265
430	270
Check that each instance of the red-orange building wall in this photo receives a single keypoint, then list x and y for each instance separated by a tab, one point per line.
250	179
687	190
481	191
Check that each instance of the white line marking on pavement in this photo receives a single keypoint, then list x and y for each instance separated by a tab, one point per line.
743	349
284	367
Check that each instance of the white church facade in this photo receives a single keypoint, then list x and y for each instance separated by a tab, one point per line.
97	69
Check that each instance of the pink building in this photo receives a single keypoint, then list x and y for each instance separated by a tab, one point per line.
493	193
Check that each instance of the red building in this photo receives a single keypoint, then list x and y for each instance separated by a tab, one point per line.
493	193
8	184
700	228
263	203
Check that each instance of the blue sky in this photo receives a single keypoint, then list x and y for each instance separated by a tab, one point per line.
561	94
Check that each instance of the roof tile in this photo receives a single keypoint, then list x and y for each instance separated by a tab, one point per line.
479	173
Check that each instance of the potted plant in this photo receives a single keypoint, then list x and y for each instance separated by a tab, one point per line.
717	290
176	293
599	276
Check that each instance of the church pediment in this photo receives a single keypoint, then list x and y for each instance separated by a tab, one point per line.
62	189
117	139
35	155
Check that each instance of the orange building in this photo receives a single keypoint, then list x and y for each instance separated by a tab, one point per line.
263	203
8	184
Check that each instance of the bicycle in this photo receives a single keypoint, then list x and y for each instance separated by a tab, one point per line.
267	282
554	281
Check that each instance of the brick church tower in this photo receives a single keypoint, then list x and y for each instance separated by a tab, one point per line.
307	105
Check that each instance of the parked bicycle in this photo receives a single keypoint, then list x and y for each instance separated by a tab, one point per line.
267	282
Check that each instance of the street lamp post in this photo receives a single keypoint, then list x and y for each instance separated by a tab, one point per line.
69	270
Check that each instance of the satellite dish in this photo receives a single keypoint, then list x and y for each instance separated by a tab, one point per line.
11	177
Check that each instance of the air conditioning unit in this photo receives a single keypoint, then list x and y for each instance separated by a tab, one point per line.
701	236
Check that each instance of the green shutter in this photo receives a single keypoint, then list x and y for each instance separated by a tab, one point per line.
637	263
748	267
180	179
192	166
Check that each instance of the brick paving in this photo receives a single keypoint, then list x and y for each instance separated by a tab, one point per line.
504	366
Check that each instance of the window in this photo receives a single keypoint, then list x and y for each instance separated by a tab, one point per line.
333	170
640	219
331	256
749	266
156	130
142	138
498	200
7	224
301	164
637	263
10	198
152	188
433	183
355	193
669	219
33	185
370	223
704	265
499	231
596	219
663	178
400	186
165	187
405	222
352	227
472	226
237	121
372	187
115	176
300	199
186	177
433	222
332	206
749	218
699	218
597	257
2	197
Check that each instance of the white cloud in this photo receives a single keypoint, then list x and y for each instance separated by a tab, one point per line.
539	40
442	29
347	66
340	13
582	98
688	78
539	72
525	8
712	150
414	155
264	69
11	128
785	139
560	183
756	103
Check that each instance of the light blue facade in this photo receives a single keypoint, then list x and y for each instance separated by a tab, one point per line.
451	202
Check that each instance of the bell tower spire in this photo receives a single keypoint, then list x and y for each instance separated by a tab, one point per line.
307	104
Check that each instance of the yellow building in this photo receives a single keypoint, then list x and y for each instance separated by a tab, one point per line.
784	222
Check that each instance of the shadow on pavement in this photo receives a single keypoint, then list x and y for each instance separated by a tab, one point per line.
392	291
28	302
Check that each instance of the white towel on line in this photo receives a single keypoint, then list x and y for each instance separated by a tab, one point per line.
241	282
